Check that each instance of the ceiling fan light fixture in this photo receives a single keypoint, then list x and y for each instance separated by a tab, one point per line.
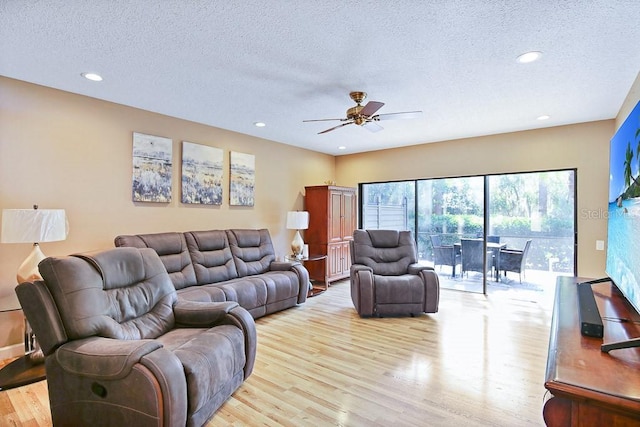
529	57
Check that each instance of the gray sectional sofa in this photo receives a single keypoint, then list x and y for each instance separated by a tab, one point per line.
227	265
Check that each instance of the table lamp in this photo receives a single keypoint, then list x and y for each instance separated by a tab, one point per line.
33	226
297	220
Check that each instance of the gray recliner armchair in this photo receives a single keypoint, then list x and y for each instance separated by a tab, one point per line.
386	278
120	349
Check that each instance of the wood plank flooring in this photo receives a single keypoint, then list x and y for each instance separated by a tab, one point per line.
479	361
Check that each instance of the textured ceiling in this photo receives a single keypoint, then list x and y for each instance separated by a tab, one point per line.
229	63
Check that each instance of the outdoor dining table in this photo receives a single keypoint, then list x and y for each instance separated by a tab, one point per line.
492	247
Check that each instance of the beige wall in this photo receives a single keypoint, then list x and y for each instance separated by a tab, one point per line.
61	150
584	147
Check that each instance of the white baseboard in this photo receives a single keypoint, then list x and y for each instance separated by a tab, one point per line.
11	351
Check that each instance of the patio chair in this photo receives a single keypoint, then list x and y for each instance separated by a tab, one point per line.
445	254
514	260
474	255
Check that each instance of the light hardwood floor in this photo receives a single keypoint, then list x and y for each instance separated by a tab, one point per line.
479	361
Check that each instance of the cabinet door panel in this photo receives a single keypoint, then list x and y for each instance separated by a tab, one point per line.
349	215
335	216
334	260
345	258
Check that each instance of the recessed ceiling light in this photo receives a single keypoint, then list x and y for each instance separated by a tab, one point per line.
543	117
342	147
259	124
527	57
92	76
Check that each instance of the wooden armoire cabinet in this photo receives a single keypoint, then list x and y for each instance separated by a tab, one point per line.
333	215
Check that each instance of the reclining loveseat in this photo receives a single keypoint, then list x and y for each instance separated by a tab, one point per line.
122	350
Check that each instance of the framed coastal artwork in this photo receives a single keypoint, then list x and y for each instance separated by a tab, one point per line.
201	174
152	165
242	177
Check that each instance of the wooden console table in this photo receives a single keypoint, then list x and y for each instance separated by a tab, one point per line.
589	387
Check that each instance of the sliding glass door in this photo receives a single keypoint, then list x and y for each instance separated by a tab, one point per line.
533	214
450	213
483	232
388	206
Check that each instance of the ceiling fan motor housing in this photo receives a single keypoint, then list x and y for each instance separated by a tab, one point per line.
353	113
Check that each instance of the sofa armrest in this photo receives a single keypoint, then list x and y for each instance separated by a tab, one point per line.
169	373
201	314
362	289
417	268
103	358
432	290
300	270
283	265
41	311
360	267
242	319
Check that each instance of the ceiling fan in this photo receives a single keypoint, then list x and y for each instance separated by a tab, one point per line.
364	115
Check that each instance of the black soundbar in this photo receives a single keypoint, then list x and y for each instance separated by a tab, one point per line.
590	320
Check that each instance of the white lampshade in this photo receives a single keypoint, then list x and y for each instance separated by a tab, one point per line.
33	226
297	220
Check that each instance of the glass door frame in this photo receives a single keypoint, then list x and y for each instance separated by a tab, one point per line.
486	207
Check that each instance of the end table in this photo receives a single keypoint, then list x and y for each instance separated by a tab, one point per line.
23	370
313	288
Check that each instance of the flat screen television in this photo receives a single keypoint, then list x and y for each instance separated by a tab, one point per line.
623	216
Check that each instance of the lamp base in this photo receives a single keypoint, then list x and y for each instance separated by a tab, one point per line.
28	270
297	245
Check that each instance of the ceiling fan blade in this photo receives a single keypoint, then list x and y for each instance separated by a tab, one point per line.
335	127
372	127
394	116
371	108
323	120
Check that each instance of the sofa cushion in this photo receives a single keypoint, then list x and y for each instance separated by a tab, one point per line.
252	251
122	293
259	294
205	293
211	256
213	361
173	252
